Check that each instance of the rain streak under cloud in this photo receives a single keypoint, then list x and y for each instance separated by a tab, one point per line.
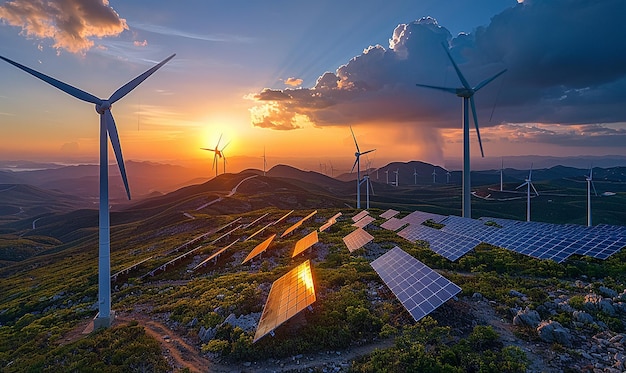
565	82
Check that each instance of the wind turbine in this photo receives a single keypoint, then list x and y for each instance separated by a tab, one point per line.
447	177
368	186
415	175
223	156
107	129
357	164
396	172
529	184
387	176
216	154
264	161
434	175
467	93
501	173
590	185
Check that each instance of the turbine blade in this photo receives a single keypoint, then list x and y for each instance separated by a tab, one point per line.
445	89
224	147
473	105
211	150
594	188
487	81
522	185
126	88
355	143
214	162
371	187
458	71
72	91
369	151
535	189
355	163
117	148
218	141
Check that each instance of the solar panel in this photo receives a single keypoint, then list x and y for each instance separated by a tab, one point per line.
289	295
449	245
418	217
259	248
215	255
305	242
389	214
364	222
357	239
420	289
360	215
297	224
393	224
246	226
330	222
282	217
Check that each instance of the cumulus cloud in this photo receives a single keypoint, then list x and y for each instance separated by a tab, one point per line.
71	24
565	70
138	43
294	82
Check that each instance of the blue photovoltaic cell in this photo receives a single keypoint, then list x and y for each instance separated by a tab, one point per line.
420	289
418	217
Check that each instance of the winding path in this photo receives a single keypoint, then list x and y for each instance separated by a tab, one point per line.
232	192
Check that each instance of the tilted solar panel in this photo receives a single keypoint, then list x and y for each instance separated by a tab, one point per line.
360	215
420	289
289	295
393	224
305	242
362	223
389	214
259	248
357	239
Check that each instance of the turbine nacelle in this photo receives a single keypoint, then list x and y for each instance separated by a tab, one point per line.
103	106
464	92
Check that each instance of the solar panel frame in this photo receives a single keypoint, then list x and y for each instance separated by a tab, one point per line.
393	224
288	295
305	242
259	248
357	239
418	288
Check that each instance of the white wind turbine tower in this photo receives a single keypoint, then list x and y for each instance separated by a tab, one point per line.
357	164
107	129
590	185
467	93
368	186
223	156
529	183
387	176
434	175
396	172
501	173
447	177
264	161
415	175
217	153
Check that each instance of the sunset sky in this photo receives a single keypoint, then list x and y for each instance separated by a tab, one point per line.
291	76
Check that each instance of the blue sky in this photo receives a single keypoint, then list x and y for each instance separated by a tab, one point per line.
259	73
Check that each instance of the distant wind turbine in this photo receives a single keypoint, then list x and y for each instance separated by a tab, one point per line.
216	154
396	172
590	185
107	129
467	93
368	186
501	174
223	156
529	184
434	175
264	161
415	175
387	176
357	164
447	177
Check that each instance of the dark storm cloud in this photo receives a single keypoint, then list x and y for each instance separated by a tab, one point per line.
566	64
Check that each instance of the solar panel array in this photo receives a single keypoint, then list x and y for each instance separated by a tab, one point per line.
393	224
362	223
305	242
389	214
216	254
420	289
449	245
357	239
259	248
297	224
360	215
289	295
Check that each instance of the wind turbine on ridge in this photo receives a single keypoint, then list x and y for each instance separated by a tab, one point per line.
448	177
415	175
264	161
217	153
368	186
108	130
223	155
529	183
357	164
467	93
396	172
590	185
434	175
